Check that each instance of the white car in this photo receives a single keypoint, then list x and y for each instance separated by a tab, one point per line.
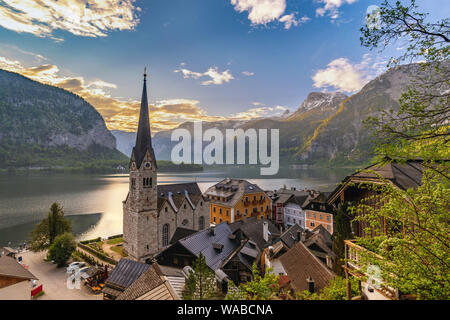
74	265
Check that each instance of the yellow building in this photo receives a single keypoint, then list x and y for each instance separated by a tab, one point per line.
234	199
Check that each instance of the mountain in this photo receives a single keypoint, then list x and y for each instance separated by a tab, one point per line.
327	128
125	141
42	125
343	138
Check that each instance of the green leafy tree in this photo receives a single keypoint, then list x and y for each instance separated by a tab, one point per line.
413	254
419	128
259	288
342	232
201	283
336	290
49	228
62	248
412	226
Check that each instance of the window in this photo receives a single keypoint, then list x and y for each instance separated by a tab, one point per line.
165	209
201	223
165	235
228	212
220	220
184	206
254	198
315	215
261	197
246	211
328	228
320	216
246	198
185	222
201	203
262	209
220	210
214	219
238	212
312	224
147	182
328	218
214	209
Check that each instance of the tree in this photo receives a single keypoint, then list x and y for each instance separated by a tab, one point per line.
342	232
336	290
62	248
201	283
419	128
49	228
412	245
414	253
259	288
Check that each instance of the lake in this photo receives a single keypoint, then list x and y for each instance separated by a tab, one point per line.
94	202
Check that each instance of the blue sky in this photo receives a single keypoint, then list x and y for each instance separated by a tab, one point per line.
263	56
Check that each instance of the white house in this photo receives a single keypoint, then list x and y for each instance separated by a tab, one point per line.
293	214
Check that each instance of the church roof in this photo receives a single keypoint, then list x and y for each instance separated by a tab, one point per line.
143	137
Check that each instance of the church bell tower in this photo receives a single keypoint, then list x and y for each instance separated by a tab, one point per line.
140	216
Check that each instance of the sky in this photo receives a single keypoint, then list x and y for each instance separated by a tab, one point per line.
206	59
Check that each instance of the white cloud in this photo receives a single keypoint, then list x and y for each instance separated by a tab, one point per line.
262	112
332	6
265	11
216	77
89	18
343	75
248	73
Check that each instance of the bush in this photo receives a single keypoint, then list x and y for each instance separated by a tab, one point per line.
62	248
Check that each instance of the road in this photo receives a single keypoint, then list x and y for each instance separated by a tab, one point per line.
54	279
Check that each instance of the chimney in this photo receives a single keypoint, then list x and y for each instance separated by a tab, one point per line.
310	283
266	231
212	231
329	262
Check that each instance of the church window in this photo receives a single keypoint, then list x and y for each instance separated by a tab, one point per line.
165	235
165	209
201	223
184	206
185	222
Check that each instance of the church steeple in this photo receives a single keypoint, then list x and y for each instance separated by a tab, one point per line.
143	137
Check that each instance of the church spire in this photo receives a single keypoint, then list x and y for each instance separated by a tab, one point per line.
143	137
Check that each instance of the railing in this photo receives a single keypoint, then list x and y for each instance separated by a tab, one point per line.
356	265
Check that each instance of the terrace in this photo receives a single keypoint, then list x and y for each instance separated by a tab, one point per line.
356	264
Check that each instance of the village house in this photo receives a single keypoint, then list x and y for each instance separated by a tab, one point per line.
299	269
229	249
353	190
15	280
318	212
236	199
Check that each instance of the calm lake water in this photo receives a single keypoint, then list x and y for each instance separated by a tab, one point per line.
94	202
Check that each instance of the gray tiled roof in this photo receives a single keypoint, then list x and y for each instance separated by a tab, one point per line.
181	233
126	272
10	267
252	228
202	242
300	264
146	282
289	237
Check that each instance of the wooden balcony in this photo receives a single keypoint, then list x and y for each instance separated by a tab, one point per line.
356	265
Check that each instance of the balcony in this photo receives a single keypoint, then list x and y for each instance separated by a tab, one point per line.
356	264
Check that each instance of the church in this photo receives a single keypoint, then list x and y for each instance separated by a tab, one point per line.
152	212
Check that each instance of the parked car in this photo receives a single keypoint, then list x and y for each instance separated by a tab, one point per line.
77	264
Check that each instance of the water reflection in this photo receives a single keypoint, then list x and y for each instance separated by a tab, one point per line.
24	200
